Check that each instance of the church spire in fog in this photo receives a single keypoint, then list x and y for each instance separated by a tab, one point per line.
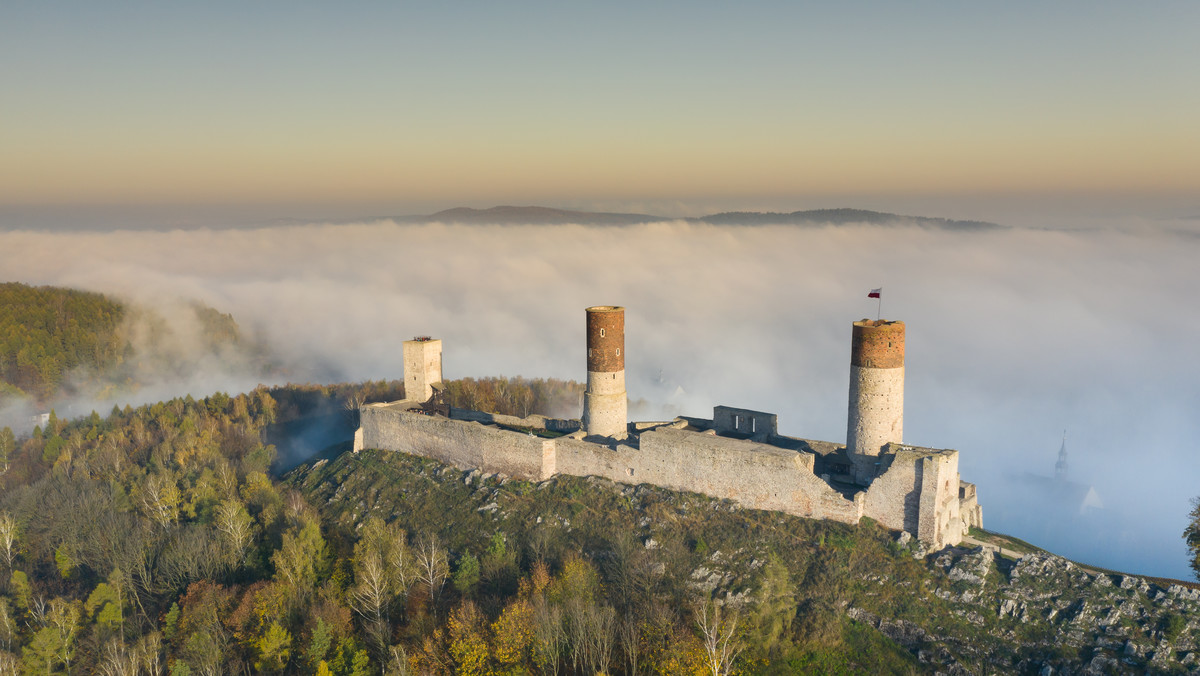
1060	467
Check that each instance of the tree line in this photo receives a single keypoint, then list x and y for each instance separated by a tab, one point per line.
518	396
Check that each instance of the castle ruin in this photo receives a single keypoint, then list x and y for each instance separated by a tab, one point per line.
737	454
605	403
422	367
876	415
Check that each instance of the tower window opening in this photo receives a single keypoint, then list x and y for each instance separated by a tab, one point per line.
601	333
618	352
754	425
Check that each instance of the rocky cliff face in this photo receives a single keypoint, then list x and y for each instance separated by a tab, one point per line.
1060	618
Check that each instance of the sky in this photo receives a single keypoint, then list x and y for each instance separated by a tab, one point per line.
276	109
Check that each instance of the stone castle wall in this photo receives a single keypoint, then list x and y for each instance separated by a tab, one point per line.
753	424
535	421
463	444
918	491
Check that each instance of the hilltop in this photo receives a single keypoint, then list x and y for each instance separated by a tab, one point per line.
813	596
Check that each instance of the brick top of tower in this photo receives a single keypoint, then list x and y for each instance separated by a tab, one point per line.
878	343
605	339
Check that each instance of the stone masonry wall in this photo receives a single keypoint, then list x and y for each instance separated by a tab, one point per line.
535	421
422	368
940	521
462	444
894	498
919	492
877	344
755	475
605	338
756	424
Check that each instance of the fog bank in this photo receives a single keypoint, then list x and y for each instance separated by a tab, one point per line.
1013	336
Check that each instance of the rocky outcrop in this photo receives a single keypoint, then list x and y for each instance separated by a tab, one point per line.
1066	619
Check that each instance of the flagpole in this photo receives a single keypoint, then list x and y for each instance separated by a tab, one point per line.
879	307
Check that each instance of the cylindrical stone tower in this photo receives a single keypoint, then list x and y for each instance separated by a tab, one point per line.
876	393
604	406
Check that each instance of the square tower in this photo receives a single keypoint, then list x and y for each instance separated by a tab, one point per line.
422	367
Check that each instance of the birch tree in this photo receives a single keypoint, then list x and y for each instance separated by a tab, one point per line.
237	530
161	498
8	444
8	539
719	635
432	566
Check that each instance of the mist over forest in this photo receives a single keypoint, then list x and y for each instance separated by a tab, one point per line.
1013	335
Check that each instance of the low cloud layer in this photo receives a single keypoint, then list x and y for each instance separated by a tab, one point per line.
1013	336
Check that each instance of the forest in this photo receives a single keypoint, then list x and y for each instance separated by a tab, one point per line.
156	540
47	332
57	342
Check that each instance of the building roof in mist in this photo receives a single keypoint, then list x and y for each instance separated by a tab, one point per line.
1056	495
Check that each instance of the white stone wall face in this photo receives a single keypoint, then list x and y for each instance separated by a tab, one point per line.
876	416
605	406
467	445
940	520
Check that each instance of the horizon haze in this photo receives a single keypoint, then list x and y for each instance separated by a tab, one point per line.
217	113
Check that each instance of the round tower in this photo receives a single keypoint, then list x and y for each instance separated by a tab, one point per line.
604	404
876	414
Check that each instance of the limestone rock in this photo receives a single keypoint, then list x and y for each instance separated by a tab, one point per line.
974	567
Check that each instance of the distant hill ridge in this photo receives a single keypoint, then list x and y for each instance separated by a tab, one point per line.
841	216
506	215
535	215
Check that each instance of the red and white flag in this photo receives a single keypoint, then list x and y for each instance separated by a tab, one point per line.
875	292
